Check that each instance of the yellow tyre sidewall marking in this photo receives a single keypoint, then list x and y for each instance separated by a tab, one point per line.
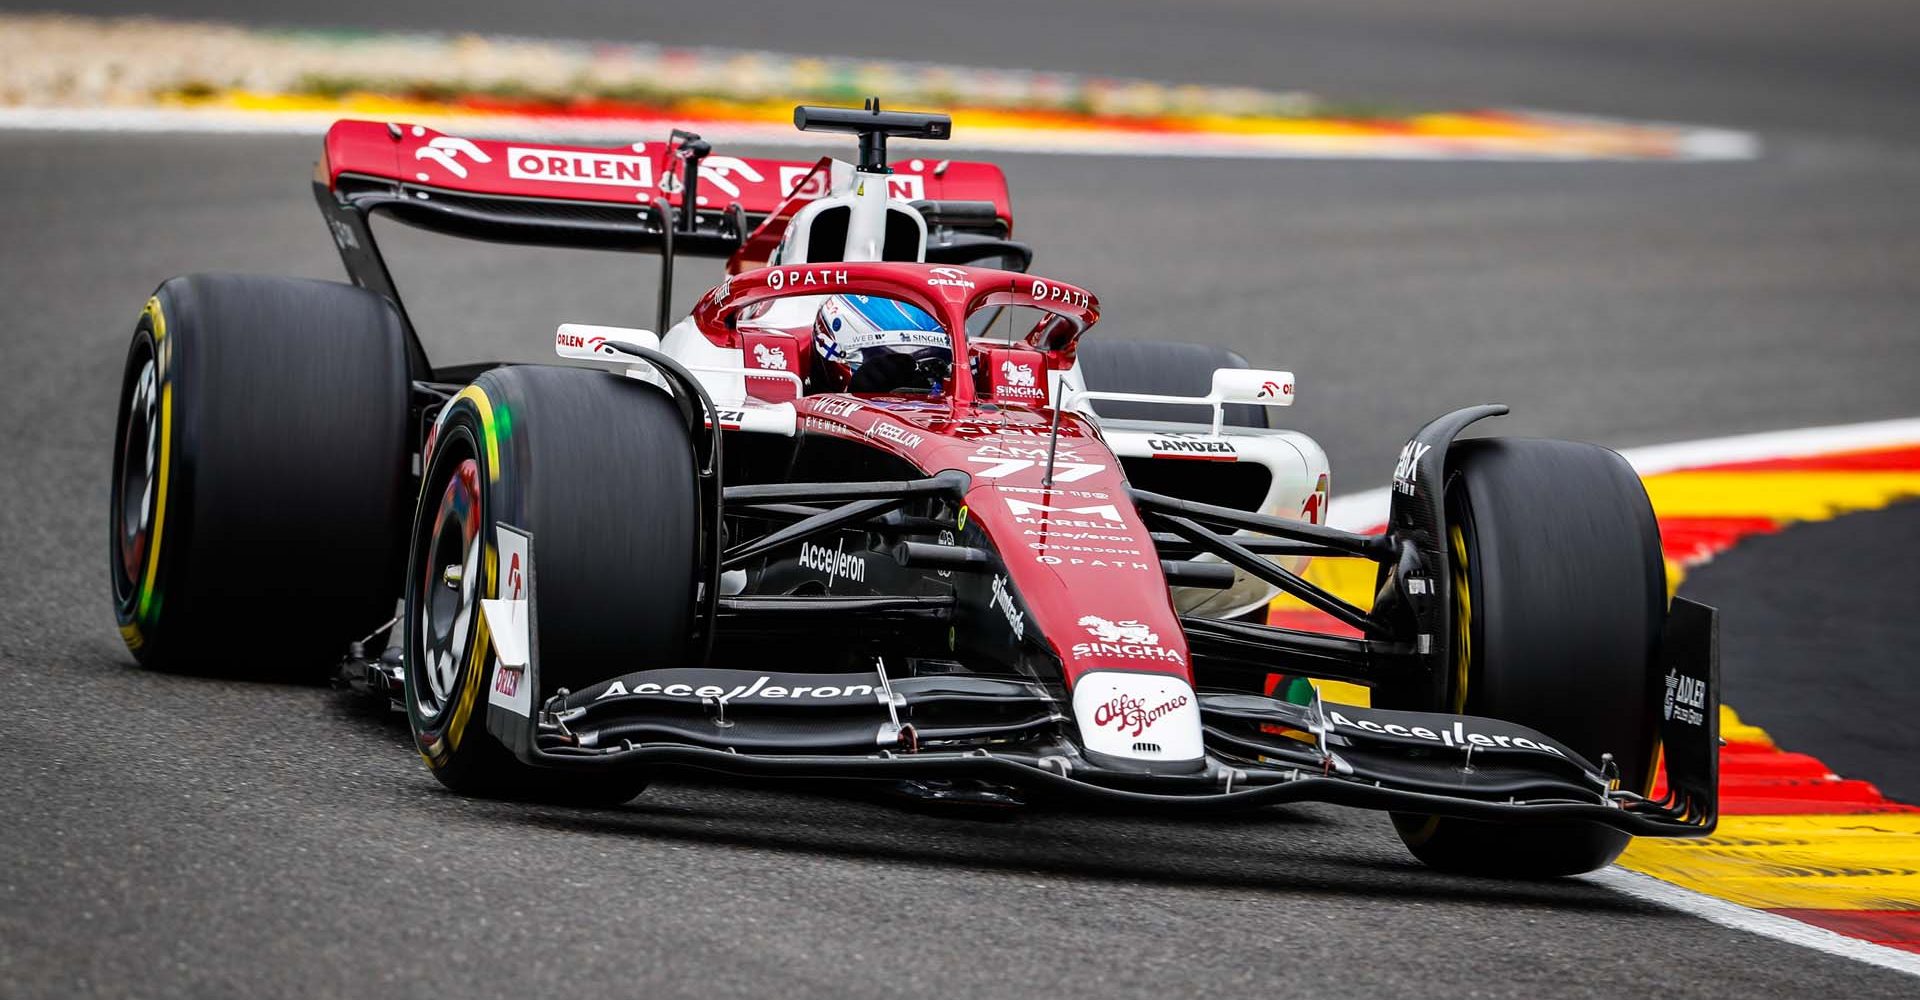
162	359
1463	628
477	654
484	408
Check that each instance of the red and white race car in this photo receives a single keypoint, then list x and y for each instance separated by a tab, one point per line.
877	507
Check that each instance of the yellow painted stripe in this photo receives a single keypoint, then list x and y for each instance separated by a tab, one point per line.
371	105
1861	862
1795	495
1733	730
1676	575
1351	580
1342	693
1451	125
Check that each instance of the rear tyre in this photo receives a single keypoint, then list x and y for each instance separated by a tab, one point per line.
1159	368
1560	593
260	474
599	471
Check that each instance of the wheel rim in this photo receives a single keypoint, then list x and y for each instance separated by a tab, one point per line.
449	594
136	474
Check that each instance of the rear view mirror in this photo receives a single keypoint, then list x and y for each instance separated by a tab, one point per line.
1259	386
585	342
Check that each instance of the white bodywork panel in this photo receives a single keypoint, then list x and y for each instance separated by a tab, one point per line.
509	621
1138	716
1293	460
686	344
865	196
587	342
760	417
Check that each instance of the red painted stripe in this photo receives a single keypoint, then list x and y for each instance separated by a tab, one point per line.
1882	460
1697	539
1893	928
1841	798
1765	763
1758	806
1758	780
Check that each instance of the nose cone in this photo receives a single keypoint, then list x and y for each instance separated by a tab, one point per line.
1138	718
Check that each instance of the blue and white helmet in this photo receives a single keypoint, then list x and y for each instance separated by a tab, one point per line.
852	332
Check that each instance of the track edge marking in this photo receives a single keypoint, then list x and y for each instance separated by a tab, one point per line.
1766	924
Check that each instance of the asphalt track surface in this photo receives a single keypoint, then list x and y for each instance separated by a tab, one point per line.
169	835
1828	609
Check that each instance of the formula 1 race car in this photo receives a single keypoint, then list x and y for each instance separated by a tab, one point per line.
846	520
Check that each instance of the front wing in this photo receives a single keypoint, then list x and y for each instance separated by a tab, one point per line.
1017	733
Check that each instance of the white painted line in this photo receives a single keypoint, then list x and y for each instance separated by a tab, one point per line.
1703	142
1768	925
1367	509
1799	443
1699	145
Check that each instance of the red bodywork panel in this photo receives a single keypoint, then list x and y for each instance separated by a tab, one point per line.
627	175
1075	551
949	294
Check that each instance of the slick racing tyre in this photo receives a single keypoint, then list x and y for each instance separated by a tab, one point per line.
260	474
597	473
1559	597
1160	368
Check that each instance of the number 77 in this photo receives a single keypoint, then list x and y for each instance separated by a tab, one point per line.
1063	472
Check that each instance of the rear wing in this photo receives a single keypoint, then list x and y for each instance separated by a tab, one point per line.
597	197
628	198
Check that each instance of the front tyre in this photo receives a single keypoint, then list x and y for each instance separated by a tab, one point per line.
598	470
1559	597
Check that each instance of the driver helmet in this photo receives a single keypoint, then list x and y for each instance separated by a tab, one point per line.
869	343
